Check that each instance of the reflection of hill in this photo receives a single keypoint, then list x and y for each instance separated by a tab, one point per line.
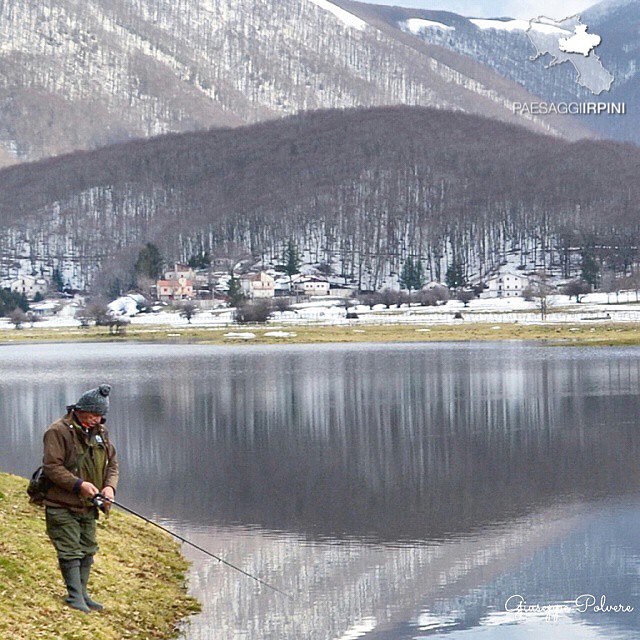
338	586
387	443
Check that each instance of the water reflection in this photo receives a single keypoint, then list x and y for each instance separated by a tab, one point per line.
369	480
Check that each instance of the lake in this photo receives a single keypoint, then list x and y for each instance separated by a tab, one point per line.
395	491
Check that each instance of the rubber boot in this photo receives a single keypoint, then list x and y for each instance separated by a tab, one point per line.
71	573
85	570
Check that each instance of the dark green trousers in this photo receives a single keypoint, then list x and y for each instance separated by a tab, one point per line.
73	534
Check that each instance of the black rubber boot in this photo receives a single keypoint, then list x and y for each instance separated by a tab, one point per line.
85	570
71	573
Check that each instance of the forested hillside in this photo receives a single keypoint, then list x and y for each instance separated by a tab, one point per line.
360	189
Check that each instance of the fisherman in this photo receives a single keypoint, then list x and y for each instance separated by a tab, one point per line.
80	462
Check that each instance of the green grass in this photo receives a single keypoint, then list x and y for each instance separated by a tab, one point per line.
576	334
139	575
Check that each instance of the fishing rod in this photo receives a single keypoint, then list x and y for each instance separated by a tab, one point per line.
100	499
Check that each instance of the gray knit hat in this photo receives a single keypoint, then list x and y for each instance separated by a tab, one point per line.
95	401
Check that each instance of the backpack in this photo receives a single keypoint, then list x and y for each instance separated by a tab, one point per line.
39	484
38	487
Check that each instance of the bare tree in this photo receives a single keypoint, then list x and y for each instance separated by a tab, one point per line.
33	317
578	288
282	304
256	311
465	296
18	317
188	309
389	298
97	312
118	325
539	291
609	284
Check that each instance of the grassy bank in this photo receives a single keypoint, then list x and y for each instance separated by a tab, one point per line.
579	334
139	576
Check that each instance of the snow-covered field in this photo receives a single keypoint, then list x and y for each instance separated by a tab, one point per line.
596	307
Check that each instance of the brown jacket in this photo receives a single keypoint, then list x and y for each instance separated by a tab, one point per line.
62	447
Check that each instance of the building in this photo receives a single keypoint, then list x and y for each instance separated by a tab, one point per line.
258	285
311	286
180	271
180	289
29	286
506	285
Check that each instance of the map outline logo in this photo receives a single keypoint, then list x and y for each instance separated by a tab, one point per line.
569	41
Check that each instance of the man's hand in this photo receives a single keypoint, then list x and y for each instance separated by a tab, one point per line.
88	490
109	494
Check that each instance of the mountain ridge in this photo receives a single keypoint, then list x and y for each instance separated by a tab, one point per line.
81	75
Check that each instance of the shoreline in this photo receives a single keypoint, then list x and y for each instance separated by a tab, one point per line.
549	333
139	574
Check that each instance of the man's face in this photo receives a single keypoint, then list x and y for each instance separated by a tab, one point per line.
88	419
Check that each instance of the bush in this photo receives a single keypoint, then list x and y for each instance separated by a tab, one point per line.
257	311
282	304
426	297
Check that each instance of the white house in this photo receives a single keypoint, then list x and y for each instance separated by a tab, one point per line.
506	285
258	285
29	286
311	286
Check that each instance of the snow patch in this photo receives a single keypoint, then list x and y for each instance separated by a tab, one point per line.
540	25
417	25
240	336
280	334
351	21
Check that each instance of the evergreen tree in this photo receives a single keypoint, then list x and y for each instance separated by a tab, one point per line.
235	294
149	263
291	259
57	280
590	269
455	277
200	261
9	300
412	277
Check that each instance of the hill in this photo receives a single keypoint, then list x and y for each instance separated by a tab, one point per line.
359	189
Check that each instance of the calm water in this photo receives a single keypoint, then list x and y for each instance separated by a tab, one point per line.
396	491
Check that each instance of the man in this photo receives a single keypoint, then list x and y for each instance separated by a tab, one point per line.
80	462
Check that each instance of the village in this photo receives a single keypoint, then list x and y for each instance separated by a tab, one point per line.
251	294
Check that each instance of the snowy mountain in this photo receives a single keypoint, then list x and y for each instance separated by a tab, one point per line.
618	22
79	74
503	45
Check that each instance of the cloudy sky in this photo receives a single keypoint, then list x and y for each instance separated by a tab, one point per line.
498	8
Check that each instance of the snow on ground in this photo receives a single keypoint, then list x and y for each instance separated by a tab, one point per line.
416	25
344	16
280	334
595	307
518	25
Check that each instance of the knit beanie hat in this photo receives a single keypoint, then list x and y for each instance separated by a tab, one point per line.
95	400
